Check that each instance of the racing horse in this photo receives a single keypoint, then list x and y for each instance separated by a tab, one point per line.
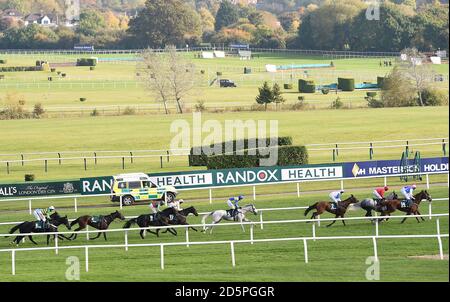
154	219
370	205
180	218
401	204
219	215
31	227
332	208
97	222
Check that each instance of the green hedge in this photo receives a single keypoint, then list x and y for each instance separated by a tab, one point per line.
287	156
201	159
287	86
232	161
20	68
86	62
3	61
380	82
346	84
305	86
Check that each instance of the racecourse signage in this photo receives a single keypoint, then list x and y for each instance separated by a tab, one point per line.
39	189
232	177
222	178
389	167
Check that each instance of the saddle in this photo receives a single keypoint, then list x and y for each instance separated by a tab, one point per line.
404	204
97	219
41	225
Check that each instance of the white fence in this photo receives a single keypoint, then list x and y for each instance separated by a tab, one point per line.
261	221
95	155
341	180
252	240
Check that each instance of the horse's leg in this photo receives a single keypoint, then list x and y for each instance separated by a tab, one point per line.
31	239
403	220
98	235
141	233
418	213
173	231
343	221
75	234
104	236
240	221
332	222
17	240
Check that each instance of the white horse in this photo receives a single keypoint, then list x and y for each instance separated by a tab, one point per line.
218	215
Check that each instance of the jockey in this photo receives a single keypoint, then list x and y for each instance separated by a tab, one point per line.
233	203
378	193
176	204
336	196
408	191
44	214
155	206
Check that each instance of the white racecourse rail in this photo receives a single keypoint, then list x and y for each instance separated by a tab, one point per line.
385	177
374	238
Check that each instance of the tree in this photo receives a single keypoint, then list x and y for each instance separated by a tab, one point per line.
277	95
167	75
327	27
397	90
181	76
153	73
393	32
227	15
165	22
265	95
416	72
208	20
91	22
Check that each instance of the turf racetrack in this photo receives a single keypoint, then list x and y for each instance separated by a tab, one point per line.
342	260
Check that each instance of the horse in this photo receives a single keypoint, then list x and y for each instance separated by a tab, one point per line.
330	207
218	215
181	218
391	206
370	205
102	223
154	219
30	227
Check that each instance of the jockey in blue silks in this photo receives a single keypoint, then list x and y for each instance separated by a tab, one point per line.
408	191
233	203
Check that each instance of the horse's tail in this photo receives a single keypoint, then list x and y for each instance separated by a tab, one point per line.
15	228
129	223
310	208
74	222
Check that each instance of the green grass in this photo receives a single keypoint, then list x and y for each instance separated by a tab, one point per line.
145	132
342	260
115	84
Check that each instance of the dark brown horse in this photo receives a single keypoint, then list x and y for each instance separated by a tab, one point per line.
331	207
100	223
51	227
180	218
390	206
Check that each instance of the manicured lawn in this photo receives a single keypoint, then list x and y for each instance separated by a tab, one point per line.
329	260
153	132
